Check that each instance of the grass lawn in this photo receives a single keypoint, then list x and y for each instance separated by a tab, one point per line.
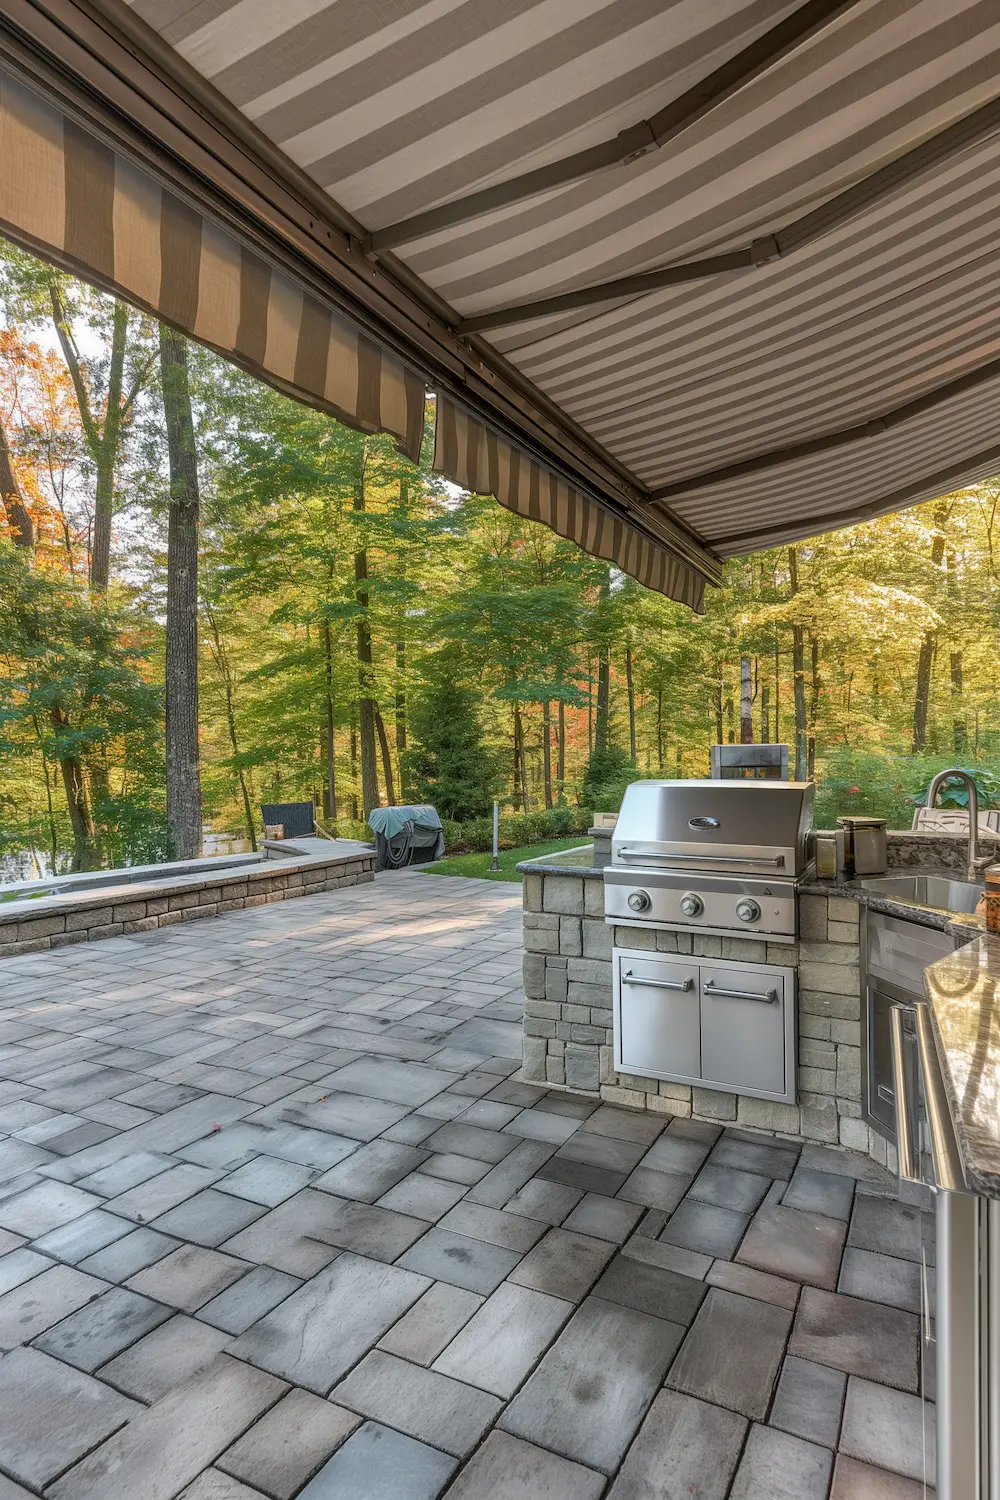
478	865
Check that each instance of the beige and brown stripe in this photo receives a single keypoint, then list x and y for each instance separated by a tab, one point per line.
478	459
69	196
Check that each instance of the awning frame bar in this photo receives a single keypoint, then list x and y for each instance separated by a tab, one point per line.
943	482
631	144
968	131
859	432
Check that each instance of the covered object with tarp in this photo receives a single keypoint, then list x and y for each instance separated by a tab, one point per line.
687	279
406	835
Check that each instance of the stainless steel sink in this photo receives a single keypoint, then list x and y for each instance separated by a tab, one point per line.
936	891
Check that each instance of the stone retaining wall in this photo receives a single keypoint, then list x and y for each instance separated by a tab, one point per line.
568	1037
127	909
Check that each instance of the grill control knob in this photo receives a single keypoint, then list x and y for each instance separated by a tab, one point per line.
692	905
747	910
639	901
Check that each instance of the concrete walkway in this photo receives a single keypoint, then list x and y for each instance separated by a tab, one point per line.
275	1220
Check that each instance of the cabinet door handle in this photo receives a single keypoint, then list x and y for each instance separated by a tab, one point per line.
769	997
659	984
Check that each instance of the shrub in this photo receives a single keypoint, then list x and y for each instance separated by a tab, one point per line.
607	775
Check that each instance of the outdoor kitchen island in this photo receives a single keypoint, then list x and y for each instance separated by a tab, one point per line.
569	994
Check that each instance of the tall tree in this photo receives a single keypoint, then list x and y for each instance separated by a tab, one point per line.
105	417
22	528
184	815
928	645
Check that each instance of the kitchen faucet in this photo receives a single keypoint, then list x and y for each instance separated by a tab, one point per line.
977	862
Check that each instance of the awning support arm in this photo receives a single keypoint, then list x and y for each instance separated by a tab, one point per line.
941	483
966	132
842	439
648	135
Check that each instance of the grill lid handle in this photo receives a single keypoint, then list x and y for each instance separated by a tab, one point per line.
729	859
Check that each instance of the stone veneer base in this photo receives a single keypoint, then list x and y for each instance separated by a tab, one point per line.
128	909
568	1039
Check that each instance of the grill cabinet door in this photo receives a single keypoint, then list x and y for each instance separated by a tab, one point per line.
743	1028
656	1017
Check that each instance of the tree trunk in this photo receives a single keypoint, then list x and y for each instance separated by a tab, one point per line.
520	768
77	801
746	702
925	656
659	726
798	678
813	708
330	746
765	713
383	740
630	687
354	768
717	703
547	751
222	664
401	717
22	529
603	700
366	676
183	764
561	762
959	731
106	456
777	692
103	440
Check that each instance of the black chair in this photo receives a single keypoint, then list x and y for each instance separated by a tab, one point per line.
297	818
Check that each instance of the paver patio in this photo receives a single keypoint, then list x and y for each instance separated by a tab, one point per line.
276	1219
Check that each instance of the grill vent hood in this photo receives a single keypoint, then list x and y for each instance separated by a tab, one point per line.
761	827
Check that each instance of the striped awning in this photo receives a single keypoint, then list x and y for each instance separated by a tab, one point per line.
475	457
77	202
742	252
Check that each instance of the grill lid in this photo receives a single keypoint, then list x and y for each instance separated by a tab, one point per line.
749	827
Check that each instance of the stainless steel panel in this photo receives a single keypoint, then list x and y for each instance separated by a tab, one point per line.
957	1326
659	898
743	1039
900	951
738	824
990	1332
657	1017
936	891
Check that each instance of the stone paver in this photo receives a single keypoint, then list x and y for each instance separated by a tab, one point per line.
591	1391
289	1443
252	1161
684	1447
504	1340
506	1468
52	1415
374	1463
424	1404
320	1331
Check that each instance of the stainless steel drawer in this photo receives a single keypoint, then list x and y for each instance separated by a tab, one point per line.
743	1028
728	1026
657	1017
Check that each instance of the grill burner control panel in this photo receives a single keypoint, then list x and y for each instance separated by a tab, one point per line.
722	904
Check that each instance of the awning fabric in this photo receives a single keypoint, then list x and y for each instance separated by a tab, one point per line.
840	358
473	456
74	200
396	111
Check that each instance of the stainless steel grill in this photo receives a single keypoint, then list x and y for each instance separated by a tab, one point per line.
723	857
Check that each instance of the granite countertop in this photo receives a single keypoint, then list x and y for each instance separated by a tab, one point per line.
588	861
964	994
962	924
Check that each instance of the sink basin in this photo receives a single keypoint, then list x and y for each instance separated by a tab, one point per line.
937	891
